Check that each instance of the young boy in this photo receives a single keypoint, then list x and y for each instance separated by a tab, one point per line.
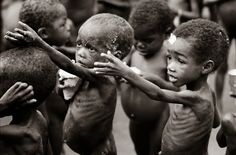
88	123
27	132
196	50
152	23
49	19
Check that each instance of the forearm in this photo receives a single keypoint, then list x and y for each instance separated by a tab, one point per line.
159	81
152	90
57	57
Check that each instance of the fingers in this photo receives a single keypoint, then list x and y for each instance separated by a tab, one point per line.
24	26
25	93
22	32
14	87
109	56
17	87
103	71
16	36
11	39
30	101
102	64
21	87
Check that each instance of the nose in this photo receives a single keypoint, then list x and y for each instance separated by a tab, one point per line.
81	52
171	66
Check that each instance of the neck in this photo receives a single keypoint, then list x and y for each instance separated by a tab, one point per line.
198	84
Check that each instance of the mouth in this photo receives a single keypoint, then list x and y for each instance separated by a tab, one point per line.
82	64
172	78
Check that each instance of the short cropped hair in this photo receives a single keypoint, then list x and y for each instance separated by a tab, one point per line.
30	65
38	13
209	40
118	30
154	14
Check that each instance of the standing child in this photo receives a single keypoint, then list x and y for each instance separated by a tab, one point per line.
88	123
27	132
197	49
49	19
152	23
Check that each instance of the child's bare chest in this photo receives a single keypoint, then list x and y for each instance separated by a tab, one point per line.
155	64
98	95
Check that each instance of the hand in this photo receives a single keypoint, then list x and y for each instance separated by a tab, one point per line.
114	66
18	93
26	34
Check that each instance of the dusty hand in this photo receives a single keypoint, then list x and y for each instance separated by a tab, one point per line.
18	93
25	34
114	66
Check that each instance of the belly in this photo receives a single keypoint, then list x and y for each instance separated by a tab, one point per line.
88	121
139	107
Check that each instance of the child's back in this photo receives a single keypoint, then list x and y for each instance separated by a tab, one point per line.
147	120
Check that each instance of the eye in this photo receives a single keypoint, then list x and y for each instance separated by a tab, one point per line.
78	45
180	60
92	50
168	56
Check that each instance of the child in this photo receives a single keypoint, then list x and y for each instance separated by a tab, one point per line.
27	132
196	50
49	19
88	123
152	23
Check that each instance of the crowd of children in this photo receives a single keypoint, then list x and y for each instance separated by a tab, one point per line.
63	62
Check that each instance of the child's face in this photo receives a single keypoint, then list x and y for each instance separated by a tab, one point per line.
181	65
58	32
147	42
91	42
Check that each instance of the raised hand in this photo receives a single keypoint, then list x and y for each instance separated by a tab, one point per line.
25	34
18	93
114	66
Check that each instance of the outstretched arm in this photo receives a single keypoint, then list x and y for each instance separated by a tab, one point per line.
18	93
116	67
159	81
27	34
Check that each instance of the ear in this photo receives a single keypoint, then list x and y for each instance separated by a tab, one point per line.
118	54
208	66
42	32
